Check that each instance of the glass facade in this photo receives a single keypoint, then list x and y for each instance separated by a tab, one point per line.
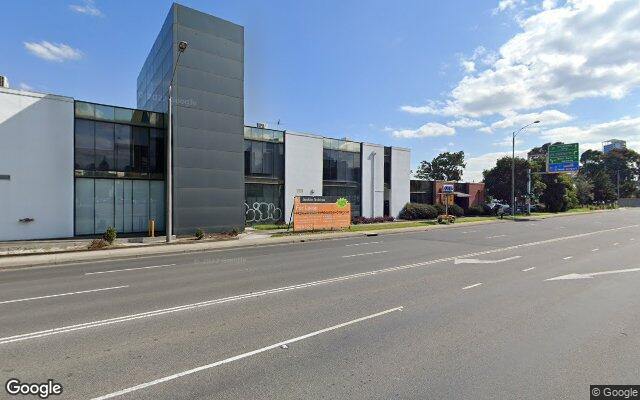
342	171
264	175
119	169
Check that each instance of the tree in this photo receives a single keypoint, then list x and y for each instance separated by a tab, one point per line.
497	180
584	189
445	167
621	165
603	189
560	194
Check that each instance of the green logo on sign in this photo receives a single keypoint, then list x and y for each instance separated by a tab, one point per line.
342	202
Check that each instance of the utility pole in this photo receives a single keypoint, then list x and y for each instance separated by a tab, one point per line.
182	46
513	167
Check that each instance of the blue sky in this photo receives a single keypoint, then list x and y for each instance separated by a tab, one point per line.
428	75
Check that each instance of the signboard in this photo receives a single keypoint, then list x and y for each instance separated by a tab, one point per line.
447	188
563	158
313	213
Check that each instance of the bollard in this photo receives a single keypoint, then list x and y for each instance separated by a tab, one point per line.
151	230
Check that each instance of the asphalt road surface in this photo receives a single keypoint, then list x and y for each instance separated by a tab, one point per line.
471	312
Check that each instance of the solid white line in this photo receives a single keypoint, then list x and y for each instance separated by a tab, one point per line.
568	258
496	236
616	244
595	249
360	244
471	286
129	269
365	254
62	294
86	325
528	269
243	355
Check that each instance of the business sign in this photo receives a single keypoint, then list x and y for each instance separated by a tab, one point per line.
447	188
563	158
317	213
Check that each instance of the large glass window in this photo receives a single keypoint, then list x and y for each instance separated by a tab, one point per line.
124	156
140	138
125	204
156	151
105	146
264	203
264	159
84	145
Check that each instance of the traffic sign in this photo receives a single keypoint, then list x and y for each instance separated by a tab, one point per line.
447	188
563	158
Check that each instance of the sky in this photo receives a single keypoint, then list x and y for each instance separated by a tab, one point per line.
431	76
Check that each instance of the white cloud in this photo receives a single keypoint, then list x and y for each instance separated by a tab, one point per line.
88	7
546	117
475	165
582	49
24	86
486	129
504	5
506	142
626	128
469	66
548	4
430	129
53	51
465	123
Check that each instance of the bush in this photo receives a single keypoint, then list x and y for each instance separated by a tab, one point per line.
98	244
454	209
477	210
444	219
413	211
199	234
374	220
110	235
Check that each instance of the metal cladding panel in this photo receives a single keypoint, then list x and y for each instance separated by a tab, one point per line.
208	124
372	180
400	176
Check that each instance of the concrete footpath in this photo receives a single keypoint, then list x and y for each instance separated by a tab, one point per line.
9	262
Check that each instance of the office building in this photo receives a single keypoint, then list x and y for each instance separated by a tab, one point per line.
613	144
73	168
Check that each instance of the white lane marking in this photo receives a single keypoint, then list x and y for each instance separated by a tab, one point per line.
469	231
129	269
632	239
616	244
365	254
595	249
496	236
568	258
471	286
528	269
86	325
361	244
62	294
244	355
476	261
592	274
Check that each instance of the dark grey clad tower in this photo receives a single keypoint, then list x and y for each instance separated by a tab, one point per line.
208	112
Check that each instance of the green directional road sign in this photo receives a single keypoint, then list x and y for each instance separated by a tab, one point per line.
563	158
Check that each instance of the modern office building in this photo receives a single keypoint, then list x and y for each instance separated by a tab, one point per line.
73	168
467	194
613	144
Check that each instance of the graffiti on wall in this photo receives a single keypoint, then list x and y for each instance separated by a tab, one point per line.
260	212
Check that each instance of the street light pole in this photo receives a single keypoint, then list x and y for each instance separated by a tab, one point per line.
513	167
182	46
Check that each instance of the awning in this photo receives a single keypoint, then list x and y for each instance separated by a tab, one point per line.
460	194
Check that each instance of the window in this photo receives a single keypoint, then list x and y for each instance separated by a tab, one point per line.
104	112
84	110
140	138
156	151
124	156
84	145
105	146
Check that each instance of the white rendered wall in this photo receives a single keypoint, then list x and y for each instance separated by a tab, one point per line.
400	170
372	188
302	168
36	150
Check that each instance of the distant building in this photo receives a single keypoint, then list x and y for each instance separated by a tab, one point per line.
428	192
613	144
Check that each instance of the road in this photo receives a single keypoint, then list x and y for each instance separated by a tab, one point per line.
470	312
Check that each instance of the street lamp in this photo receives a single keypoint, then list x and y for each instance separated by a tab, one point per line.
513	167
182	46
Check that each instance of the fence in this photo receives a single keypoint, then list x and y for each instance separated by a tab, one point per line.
629	202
